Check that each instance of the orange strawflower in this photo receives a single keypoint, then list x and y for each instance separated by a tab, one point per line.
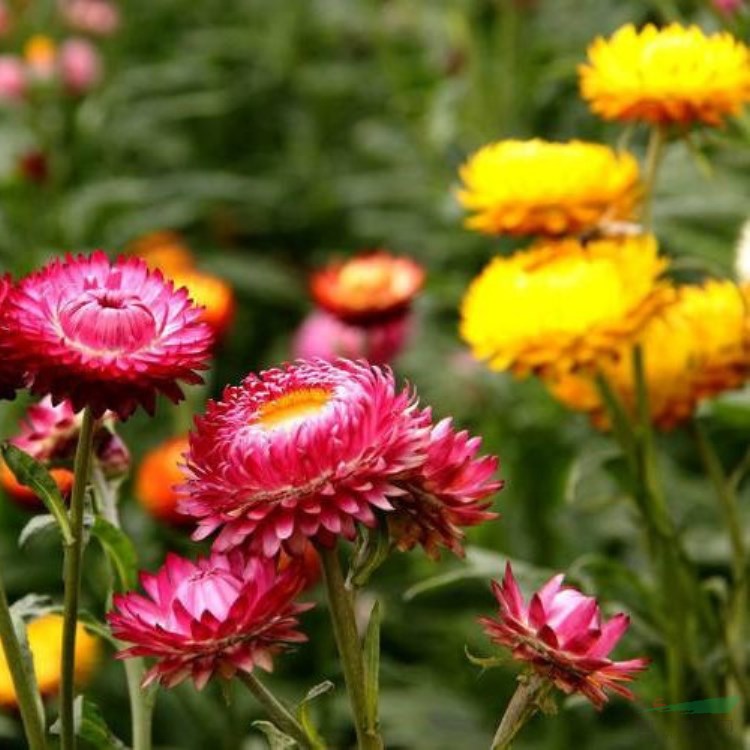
157	477
211	293
26	497
164	250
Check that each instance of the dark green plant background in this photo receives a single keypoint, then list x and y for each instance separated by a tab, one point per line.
277	134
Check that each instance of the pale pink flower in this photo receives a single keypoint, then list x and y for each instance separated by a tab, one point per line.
98	17
13	79
560	633
80	66
728	7
215	616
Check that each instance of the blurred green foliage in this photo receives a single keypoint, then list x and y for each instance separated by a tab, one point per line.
275	135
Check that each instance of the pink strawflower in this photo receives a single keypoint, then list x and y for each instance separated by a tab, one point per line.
308	450
50	432
13	79
561	634
728	7
215	616
98	17
80	66
324	336
12	376
108	335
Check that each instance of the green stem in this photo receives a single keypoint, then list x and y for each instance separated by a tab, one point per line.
28	699
341	604
654	155
737	619
72	578
276	710
523	705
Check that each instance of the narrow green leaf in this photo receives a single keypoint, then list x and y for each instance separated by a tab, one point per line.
32	606
19	625
486	662
38	525
303	712
277	740
120	549
93	728
371	652
35	476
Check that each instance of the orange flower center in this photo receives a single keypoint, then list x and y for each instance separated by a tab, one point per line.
293	406
365	281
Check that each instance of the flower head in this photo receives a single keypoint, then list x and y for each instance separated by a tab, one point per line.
25	497
40	53
324	336
99	17
562	306
45	639
12	375
215	616
108	335
13	79
157	479
693	349
560	633
538	187
308	450
369	288
670	75
212	294
80	65
165	251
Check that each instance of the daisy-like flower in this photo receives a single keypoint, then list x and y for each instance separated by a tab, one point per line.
108	335
696	347
663	76
307	451
560	633
562	306
369	288
324	336
538	187
45	638
12	376
158	477
215	616
212	294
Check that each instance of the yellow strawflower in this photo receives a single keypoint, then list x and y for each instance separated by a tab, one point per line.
45	643
562	306
539	187
670	75
696	347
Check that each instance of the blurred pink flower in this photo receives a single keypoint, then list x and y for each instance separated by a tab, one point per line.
561	634
98	17
13	80
326	337
728	6
80	65
6	19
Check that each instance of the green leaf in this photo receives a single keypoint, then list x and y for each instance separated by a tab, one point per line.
93	728
17	613
32	606
303	712
36	526
277	740
486	662
35	476
120	549
372	551
371	653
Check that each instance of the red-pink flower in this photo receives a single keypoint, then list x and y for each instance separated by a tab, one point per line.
12	376
108	335
80	65
100	17
324	336
308	450
561	634
13	79
214	616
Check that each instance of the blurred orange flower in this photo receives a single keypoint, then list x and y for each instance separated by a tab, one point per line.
157	477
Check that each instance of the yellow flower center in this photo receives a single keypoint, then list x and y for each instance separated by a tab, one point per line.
39	51
293	406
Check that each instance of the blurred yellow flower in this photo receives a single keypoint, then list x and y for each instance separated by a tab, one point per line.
40	51
561	306
45	642
211	293
669	75
539	187
164	250
695	348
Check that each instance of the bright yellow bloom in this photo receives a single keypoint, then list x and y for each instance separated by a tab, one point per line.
670	75
539	187
45	643
695	348
562	306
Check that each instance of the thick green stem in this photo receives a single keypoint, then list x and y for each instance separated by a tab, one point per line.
276	710
523	705
654	155
72	579
737	617
141	705
26	696
341	604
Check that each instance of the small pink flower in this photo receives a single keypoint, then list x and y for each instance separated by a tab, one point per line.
13	79
215	616
80	66
6	19
324	336
561	634
309	450
98	17
728	7
109	335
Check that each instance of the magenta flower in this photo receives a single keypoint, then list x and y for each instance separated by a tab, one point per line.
307	451
108	335
215	616
561	634
12	376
